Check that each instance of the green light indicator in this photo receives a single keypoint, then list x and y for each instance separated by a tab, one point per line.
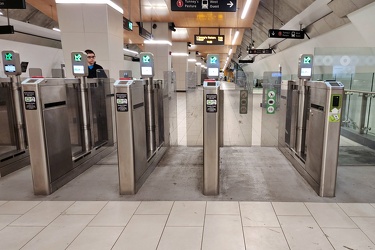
77	57
213	59
307	60
146	59
8	57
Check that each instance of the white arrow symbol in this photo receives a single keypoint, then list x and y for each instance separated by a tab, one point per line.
230	4
273	33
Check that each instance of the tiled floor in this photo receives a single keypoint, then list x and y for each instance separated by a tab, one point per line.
168	225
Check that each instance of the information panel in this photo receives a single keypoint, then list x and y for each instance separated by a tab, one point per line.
209	39
211	103
204	5
122	102
293	34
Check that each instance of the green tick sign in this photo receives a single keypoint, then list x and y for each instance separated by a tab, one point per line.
307	60
213	59
8	57
146	59
77	57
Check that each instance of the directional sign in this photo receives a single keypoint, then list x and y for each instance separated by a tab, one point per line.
8	56
209	39
204	5
246	61
260	51
127	24
293	34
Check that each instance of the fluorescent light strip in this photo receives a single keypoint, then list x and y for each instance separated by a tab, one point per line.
56	29
235	37
230	51
157	42
192	60
179	54
109	2
131	51
245	9
198	64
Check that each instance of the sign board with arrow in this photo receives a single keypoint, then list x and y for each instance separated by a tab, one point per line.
260	51
204	5
293	34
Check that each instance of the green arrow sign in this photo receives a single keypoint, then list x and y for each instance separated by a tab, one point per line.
213	59
307	60
77	57
8	56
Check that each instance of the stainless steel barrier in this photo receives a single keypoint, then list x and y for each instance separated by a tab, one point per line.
14	152
318	119
53	113
136	161
211	137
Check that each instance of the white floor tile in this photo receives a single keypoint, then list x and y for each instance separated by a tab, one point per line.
290	208
187	214
348	239
96	238
265	238
222	207
302	232
358	209
6	219
181	238
154	207
115	214
367	225
13	238
2	202
60	233
223	232
43	214
258	214
142	233
17	207
86	207
330	215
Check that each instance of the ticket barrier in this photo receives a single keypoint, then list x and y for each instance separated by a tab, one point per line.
309	134
14	153
212	136
64	140
136	160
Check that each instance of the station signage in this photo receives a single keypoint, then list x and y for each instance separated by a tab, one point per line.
204	5
293	34
246	61
145	33
209	39
12	4
260	51
127	24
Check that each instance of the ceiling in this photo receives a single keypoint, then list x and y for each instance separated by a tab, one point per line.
262	15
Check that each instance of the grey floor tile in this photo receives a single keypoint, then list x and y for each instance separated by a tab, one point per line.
358	209
86	207
265	238
154	207
348	239
223	207
290	208
367	225
96	238
258	214
14	238
6	219
17	207
187	214
181	238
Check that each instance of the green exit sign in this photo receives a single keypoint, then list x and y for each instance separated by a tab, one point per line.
77	57
8	56
127	24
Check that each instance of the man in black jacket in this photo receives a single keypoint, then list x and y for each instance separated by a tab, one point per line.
93	67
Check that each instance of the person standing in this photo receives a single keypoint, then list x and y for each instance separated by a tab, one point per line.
93	66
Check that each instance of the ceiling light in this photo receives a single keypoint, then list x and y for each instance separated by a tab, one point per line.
109	2
245	9
131	51
56	29
157	42
179	54
198	64
235	37
230	51
192	60
1	13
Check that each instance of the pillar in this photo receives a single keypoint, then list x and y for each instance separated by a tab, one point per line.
92	26
179	62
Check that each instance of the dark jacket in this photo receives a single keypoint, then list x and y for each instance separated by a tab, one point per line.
92	72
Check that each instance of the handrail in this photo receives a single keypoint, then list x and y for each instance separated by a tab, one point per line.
358	91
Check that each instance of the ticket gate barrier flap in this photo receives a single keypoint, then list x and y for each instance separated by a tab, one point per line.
131	134
211	137
48	132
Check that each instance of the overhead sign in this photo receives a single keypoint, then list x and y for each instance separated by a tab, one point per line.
204	5
12	4
293	34
127	24
246	61
260	51
145	33
6	29
209	39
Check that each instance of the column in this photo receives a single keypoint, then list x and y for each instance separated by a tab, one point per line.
179	62
198	70
92	26
191	74
160	46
